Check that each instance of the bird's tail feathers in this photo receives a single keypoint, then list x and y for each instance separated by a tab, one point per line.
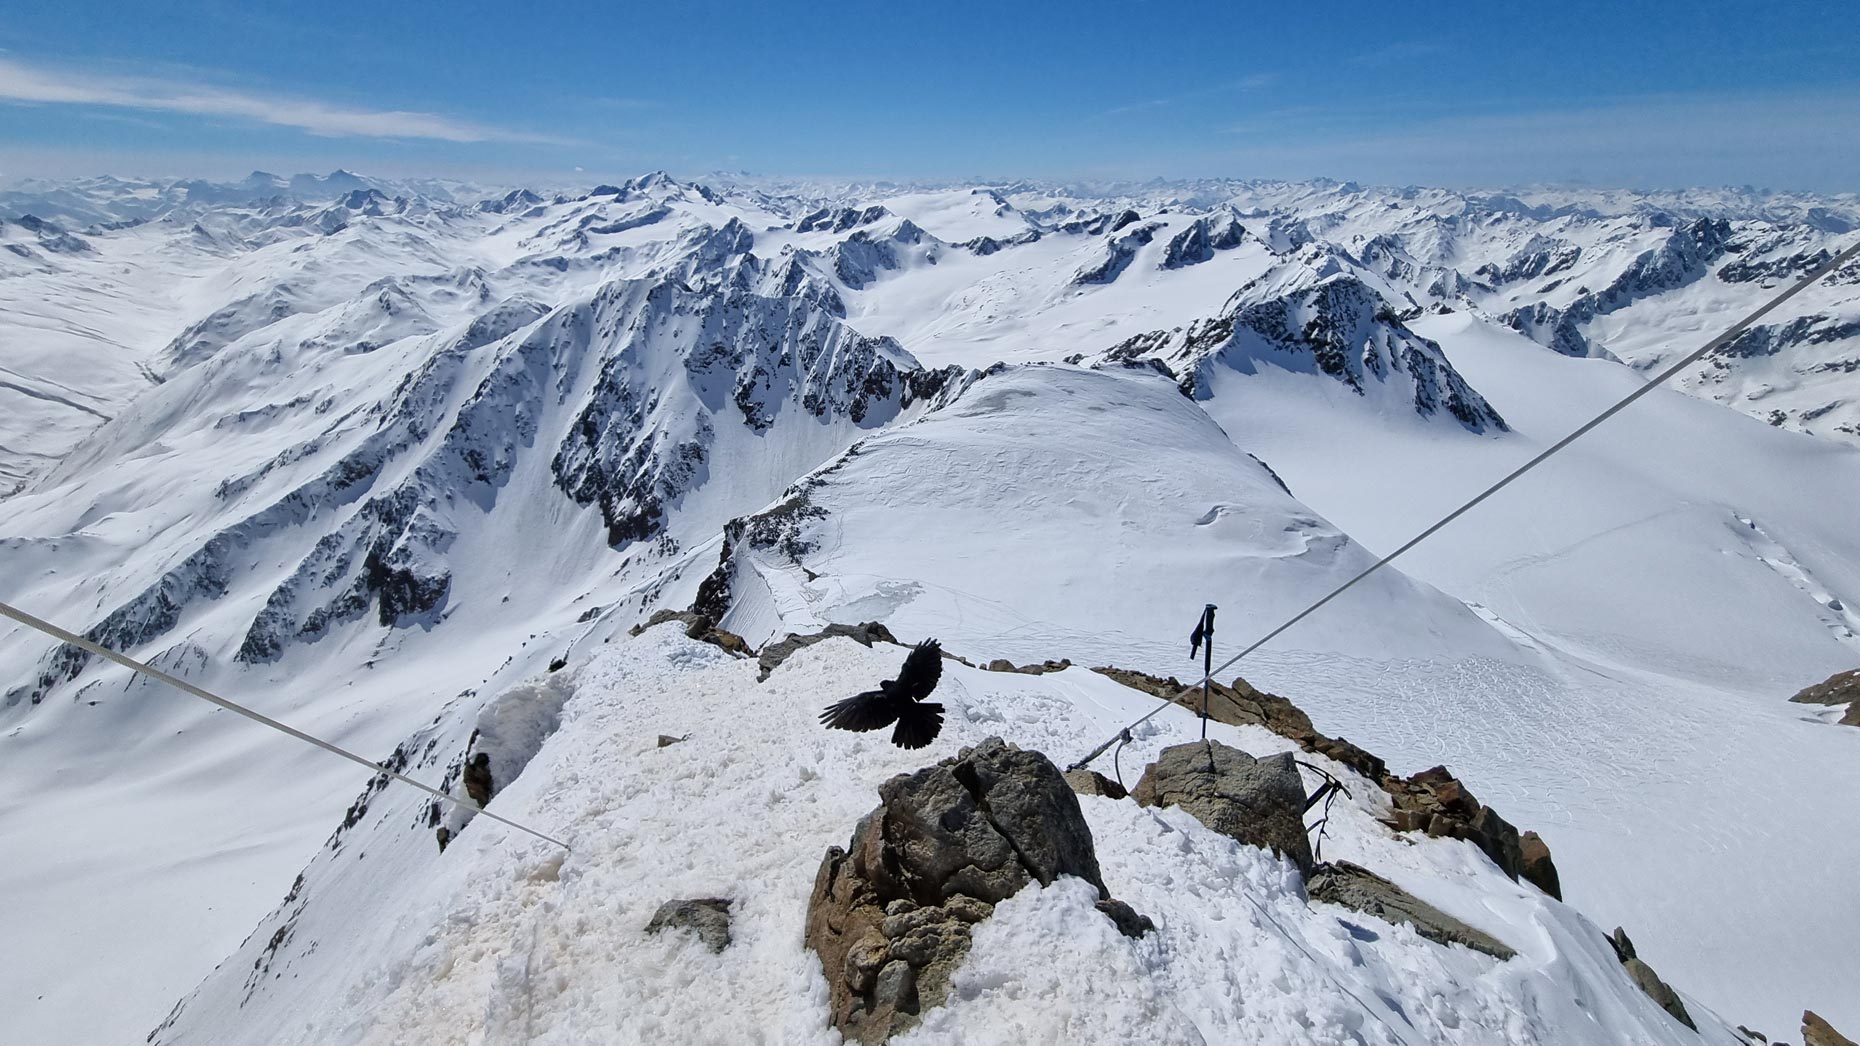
918	725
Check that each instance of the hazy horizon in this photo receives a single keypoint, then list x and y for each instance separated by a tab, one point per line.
1653	95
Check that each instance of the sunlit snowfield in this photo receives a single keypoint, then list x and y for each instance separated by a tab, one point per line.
1603	653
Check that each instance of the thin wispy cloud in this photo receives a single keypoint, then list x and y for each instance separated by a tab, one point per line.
125	119
1254	82
21	83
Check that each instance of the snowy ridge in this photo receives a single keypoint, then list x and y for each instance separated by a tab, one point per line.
503	936
1084	540
1332	324
352	448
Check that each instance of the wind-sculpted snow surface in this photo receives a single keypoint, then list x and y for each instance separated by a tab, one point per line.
347	447
502	936
1054	499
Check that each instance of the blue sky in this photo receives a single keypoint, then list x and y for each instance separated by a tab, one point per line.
1638	94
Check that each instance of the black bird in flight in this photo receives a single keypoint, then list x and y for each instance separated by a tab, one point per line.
899	700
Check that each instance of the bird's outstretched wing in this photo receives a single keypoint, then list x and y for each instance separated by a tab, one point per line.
923	667
918	724
868	711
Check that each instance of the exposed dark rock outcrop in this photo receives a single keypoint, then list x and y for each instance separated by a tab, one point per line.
392	552
1841	688
890	918
708	917
1558	329
514	201
1436	802
1539	869
591	225
768	339
381	556
1098	223
1361	890
1769	267
1198	241
478	782
1768	339
830	219
1242	704
1684	256
1119	251
1125	918
1002	664
860	258
1260	802
1540	257
1091	782
53	237
1338	326
1433	801
1818	1032
773	654
1648	981
698	626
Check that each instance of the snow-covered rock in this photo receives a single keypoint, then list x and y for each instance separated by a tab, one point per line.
384	938
1335	326
361	450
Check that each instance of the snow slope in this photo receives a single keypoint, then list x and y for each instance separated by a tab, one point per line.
79	340
412	442
296	515
1052	511
1681	567
502	936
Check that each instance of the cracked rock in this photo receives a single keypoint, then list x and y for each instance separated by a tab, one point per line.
1647	980
1091	782
1260	802
1362	890
891	915
708	917
773	654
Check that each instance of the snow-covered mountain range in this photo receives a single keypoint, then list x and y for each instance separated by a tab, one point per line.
373	455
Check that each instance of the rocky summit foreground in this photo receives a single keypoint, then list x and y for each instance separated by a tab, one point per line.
891	919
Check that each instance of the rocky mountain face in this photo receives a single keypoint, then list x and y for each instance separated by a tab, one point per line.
620	395
395	362
1334	325
1680	257
1642	284
383	450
